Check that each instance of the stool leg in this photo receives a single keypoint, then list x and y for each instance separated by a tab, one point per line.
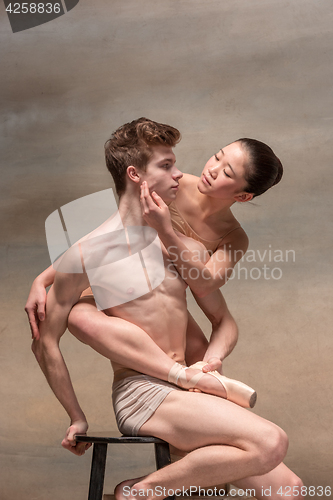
97	471
162	458
162	455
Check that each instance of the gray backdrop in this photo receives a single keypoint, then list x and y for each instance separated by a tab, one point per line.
217	70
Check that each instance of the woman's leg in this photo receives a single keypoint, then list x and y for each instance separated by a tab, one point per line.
224	443
118	340
279	483
126	344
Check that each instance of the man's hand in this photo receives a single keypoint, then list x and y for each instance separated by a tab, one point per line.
35	307
69	443
213	364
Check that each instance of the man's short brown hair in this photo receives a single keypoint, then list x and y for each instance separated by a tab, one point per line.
131	144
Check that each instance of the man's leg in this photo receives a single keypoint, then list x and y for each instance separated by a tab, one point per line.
128	345
224	443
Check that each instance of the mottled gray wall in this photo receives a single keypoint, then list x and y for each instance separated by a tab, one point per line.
218	70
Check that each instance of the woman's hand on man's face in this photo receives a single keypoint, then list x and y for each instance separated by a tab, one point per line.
154	211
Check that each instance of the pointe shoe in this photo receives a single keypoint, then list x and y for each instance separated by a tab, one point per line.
177	376
237	392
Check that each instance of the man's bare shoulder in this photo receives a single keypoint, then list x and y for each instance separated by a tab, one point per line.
70	277
90	250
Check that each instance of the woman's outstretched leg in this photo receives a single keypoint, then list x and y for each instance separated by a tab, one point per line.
118	340
128	345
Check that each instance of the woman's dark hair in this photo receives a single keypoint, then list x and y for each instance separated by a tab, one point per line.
263	169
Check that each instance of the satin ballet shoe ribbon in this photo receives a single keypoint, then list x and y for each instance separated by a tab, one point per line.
237	391
177	376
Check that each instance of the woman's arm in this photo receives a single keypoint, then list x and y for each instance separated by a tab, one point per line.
35	306
201	278
224	334
223	338
204	279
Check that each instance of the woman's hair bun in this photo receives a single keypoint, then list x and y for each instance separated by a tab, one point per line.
279	173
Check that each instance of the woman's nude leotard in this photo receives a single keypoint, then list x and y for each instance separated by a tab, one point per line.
180	224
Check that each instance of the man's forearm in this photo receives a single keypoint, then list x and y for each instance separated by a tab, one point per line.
47	350
46	278
54	368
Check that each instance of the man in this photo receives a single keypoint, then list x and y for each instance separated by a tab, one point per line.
224	442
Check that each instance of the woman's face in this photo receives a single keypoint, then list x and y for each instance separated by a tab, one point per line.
223	174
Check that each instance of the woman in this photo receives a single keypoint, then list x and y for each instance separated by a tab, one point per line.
238	172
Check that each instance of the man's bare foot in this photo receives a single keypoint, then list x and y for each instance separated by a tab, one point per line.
119	492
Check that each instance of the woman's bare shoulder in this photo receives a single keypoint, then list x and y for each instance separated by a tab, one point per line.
237	240
188	186
188	180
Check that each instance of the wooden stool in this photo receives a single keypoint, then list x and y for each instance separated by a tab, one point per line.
100	445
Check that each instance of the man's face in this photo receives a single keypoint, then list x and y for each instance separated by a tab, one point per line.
162	175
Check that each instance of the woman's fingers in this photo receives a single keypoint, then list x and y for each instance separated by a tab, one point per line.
146	199
158	200
143	201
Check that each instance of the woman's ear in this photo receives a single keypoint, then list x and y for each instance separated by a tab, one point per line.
134	174
242	197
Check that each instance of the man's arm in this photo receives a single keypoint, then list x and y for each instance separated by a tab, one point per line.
35	306
63	295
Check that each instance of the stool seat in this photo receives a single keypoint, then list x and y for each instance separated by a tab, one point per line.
100	443
101	438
